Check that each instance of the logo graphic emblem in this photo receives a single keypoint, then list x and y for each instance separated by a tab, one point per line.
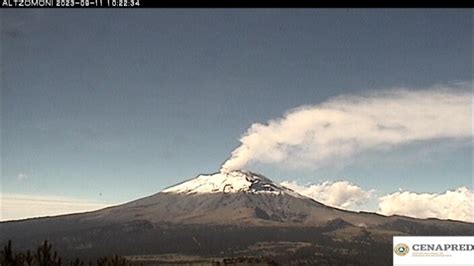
401	249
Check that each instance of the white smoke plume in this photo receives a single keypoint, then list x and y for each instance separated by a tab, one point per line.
311	136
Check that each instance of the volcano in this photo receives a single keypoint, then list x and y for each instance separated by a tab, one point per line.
227	214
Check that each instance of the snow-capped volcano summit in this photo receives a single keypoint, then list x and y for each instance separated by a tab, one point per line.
230	182
223	212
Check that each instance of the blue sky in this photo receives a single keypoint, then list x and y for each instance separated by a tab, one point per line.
112	105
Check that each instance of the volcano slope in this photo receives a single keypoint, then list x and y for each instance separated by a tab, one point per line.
239	213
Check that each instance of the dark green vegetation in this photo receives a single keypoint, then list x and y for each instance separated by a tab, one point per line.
46	256
337	243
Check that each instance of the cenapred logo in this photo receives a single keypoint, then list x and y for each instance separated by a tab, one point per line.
433	250
401	249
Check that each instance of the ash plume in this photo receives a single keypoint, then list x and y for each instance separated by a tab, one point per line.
314	135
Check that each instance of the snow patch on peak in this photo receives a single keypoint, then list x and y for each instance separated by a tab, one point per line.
230	182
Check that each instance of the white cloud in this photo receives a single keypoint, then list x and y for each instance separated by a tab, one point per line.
455	204
340	194
18	206
312	136
21	177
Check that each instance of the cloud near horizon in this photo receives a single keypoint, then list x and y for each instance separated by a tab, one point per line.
19	206
314	136
457	204
340	194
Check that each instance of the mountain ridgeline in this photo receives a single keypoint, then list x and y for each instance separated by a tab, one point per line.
239	213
